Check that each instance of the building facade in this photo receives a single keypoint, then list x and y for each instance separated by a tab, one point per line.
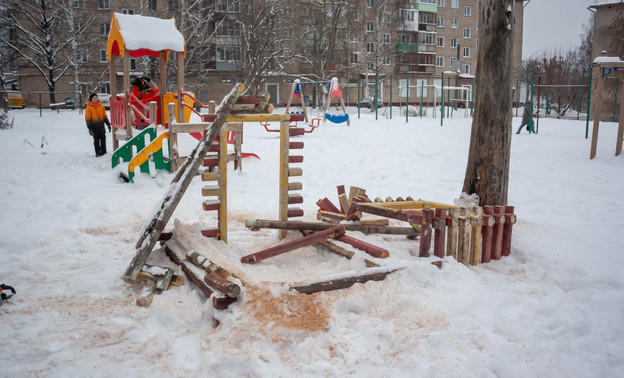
372	46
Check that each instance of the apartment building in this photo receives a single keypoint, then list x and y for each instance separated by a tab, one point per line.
375	45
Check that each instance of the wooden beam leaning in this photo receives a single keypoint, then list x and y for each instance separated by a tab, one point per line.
152	229
257	224
171	246
295	244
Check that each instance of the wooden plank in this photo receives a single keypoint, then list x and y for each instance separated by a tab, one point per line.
327	205
510	220
292	245
476	221
341	283
425	233
451	224
170	247
318	226
341	251
329	216
164	209
230	289
497	235
463	240
439	226
486	234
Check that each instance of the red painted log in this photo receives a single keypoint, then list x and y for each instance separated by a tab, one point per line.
440	232
486	232
329	216
327	205
510	219
372	250
295	244
297	118
296	131
497	238
211	233
294	198
230	289
295	145
295	159
294	212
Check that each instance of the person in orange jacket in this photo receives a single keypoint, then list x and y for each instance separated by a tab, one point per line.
95	116
145	89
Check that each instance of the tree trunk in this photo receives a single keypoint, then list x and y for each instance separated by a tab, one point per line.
487	171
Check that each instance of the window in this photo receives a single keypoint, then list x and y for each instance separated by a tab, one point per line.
370	47
453	62
387	60
228	54
439	61
152	5
427	18
370	26
104	29
127	11
228	6
467	10
81	56
440	22
404	38
370	3
386	17
440	41
466	32
455	4
408	15
173	5
454	23
467	68
79	4
354	58
425	38
103	56
387	38
355	15
453	43
228	28
466	52
355	38
103	4
370	66
133	64
442	3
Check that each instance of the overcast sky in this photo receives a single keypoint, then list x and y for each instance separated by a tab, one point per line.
554	24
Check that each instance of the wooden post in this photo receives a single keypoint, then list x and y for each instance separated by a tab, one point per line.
463	248
318	226
295	244
476	221
486	233
222	213
283	171
440	232
451	223
510	220
620	132
162	68
497	238
154	226
425	233
126	85
597	112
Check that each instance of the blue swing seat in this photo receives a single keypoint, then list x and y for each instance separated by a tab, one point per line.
337	118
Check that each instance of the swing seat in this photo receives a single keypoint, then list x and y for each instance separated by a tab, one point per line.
337	118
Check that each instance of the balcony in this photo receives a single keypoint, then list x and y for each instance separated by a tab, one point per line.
421	7
427	49
414	68
407	47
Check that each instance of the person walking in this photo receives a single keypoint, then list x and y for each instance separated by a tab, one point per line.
527	119
95	117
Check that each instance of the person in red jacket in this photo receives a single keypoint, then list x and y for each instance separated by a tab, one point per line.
95	116
145	89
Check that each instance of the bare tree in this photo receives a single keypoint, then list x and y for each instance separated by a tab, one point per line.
42	38
487	171
616	27
263	29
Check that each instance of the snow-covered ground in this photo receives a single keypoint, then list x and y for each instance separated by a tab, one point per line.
552	308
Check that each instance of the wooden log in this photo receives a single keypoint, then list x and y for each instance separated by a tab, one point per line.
340	251
230	289
344	203
222	302
439	225
295	244
329	216
152	229
375	221
170	248
425	233
327	205
256	224
476	221
510	220
463	240
364	246
410	216
157	273
208	266
452	230
341	283
486	233
497	233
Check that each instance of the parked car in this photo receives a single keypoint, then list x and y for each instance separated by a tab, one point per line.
366	103
70	103
16	99
104	99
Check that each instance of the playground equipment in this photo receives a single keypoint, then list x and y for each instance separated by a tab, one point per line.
334	91
605	65
297	92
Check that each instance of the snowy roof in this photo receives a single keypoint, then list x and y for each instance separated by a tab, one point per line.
142	35
613	61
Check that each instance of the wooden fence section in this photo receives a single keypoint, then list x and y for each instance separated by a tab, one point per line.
471	235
